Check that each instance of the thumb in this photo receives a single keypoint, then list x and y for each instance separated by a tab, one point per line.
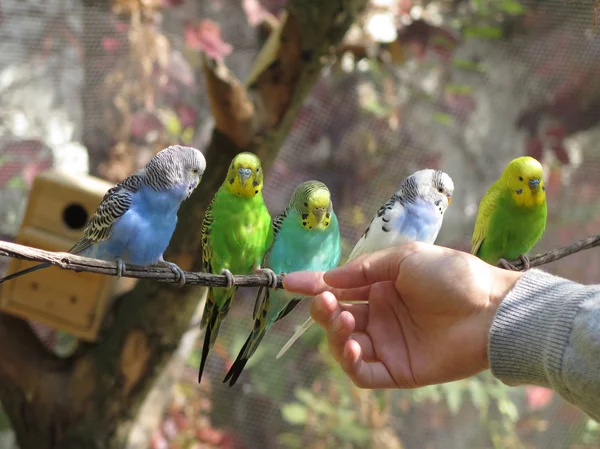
371	268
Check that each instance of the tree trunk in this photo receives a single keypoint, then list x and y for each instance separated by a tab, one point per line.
91	400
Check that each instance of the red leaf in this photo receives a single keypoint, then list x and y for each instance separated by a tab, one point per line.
210	436
121	26
171	3
206	37
158	441
144	122
110	43
187	115
561	153
538	397
534	147
254	11
404	7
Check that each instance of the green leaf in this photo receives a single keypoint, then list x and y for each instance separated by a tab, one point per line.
443	119
479	396
508	409
467	64
290	440
305	396
17	182
187	135
172	123
483	32
294	413
353	433
454	396
4	421
512	7
459	89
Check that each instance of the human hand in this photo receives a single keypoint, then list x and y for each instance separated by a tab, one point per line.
426	321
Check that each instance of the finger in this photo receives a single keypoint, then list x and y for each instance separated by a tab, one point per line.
311	283
366	346
341	325
364	374
338	324
325	308
360	312
371	268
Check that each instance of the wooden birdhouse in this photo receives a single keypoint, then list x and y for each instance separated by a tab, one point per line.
59	207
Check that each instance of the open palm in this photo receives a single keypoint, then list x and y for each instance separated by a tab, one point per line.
426	318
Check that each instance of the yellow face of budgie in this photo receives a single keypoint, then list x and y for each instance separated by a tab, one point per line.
523	176
312	200
245	175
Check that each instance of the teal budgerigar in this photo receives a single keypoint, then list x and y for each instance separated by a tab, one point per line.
136	218
236	232
307	238
512	215
414	213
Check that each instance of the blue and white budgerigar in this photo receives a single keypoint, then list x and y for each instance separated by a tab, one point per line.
136	218
414	213
306	238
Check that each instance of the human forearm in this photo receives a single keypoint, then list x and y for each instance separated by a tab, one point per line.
545	333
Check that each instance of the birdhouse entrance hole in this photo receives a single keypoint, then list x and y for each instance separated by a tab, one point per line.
75	216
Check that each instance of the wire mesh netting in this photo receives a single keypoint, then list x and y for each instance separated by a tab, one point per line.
462	86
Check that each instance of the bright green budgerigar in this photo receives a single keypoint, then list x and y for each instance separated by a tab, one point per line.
512	215
236	232
307	238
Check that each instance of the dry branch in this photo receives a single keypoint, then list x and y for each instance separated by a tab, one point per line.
559	253
68	261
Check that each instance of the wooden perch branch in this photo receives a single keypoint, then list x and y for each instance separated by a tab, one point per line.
68	261
560	253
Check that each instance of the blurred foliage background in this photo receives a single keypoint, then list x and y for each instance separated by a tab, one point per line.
460	85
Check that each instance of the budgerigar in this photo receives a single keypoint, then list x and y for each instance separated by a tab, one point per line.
136	218
307	238
414	213
236	232
512	215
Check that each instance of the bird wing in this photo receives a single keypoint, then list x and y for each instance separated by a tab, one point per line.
263	293
374	237
488	203
114	204
205	232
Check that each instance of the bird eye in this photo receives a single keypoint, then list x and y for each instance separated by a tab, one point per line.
440	190
195	171
520	178
257	170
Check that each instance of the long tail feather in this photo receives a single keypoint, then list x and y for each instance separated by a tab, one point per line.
244	355
25	271
212	317
209	338
295	337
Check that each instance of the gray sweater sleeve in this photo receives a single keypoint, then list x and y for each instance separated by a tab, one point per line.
546	332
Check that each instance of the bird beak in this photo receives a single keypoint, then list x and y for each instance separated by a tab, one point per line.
449	200
244	176
319	212
534	185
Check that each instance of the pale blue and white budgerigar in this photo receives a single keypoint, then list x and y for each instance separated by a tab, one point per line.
306	238
136	218
413	213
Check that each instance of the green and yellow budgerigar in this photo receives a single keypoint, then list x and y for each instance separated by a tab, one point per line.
236	232
512	215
